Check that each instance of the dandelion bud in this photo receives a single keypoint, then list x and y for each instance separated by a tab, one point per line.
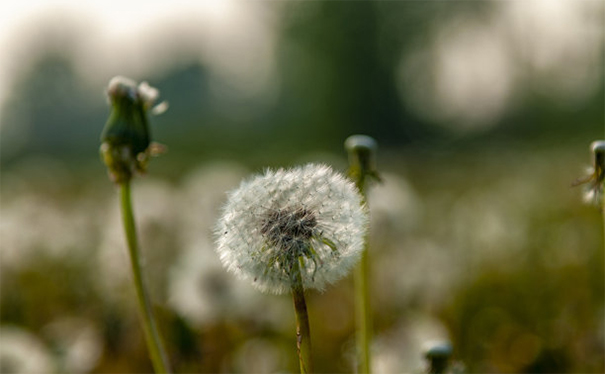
596	174
362	154
438	355
598	159
308	218
126	138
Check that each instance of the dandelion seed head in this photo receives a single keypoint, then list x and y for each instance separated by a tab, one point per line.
309	214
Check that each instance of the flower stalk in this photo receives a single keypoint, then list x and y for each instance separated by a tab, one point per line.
125	150
361	150
291	231
152	335
303	331
598	154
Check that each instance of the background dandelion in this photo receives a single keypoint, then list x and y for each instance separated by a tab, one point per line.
23	352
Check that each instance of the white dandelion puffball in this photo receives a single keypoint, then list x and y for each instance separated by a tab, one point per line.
309	214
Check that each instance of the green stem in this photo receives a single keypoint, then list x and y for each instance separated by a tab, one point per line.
363	314
303	332
152	335
362	298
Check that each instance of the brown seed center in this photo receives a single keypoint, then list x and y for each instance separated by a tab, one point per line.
287	227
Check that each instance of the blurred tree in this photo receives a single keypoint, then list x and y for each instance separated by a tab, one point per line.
51	109
335	79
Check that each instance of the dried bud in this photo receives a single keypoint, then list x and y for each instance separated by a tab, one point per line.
362	155
438	355
596	174
126	140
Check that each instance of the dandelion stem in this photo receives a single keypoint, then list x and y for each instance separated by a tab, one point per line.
361	151
303	332
362	308
152	335
602	206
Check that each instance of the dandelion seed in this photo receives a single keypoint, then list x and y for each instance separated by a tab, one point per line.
308	216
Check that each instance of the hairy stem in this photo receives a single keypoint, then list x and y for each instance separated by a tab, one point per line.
152	335
303	333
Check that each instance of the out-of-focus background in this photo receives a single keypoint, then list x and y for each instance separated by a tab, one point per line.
483	111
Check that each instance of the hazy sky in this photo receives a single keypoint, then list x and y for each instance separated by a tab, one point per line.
469	72
135	30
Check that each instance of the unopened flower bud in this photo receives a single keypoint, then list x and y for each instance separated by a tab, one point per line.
438	355
596	174
362	158
126	140
598	159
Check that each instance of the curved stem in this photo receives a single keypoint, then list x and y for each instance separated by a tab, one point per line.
303	332
152	335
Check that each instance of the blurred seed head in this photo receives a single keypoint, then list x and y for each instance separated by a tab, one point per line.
198	211
23	352
202	293
259	355
309	214
396	208
77	341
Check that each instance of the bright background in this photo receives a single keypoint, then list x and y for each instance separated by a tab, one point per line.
483	111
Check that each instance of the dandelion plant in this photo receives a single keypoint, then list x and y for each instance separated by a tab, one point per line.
125	149
293	230
362	150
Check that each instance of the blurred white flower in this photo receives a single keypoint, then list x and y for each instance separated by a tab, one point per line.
417	270
402	349
78	342
33	225
198	288
201	197
309	214
259	356
23	352
202	293
394	207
